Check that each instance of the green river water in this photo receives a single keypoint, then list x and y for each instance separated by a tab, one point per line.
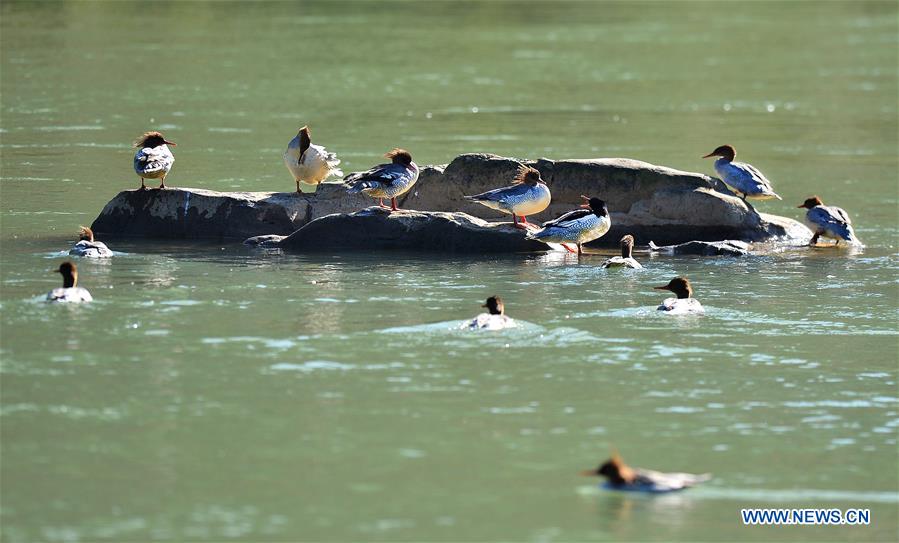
214	392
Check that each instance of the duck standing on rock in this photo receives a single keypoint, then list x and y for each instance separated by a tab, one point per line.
580	226
620	476
828	221
744	178
685	303
626	260
494	319
386	180
89	248
153	158
309	163
527	195
70	292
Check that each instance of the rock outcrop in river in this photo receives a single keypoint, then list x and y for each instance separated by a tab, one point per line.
376	228
651	202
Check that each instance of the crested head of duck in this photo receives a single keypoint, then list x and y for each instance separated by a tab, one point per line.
401	157
151	139
85	233
811	202
725	151
597	206
528	176
494	305
627	246
615	470
680	286
69	272
305	139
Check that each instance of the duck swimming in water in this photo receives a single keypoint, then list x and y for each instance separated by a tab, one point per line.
386	180
580	226
153	158
744	178
828	221
684	304
626	260
527	195
309	163
89	248
70	291
620	476
494	319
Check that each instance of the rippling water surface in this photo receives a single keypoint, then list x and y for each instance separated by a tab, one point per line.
214	392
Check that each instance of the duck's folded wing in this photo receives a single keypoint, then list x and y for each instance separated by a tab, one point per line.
751	174
826	216
662	482
841	213
502	194
568	219
383	174
317	153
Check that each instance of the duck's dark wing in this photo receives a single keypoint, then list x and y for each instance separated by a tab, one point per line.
565	219
502	194
384	174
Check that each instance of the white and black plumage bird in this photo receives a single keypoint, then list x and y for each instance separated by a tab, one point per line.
626	260
153	158
494	319
87	247
386	180
828	221
620	476
70	292
744	178
308	162
685	303
528	195
580	226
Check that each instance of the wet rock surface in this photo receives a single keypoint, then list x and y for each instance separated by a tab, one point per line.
377	228
729	247
650	202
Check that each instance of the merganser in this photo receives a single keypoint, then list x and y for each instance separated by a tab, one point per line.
527	195
623	477
744	178
684	304
580	226
309	163
828	221
494	319
153	159
89	248
69	292
626	259
386	180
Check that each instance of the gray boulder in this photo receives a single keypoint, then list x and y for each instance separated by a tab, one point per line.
650	202
377	228
198	213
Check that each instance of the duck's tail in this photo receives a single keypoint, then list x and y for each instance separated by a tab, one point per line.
848	234
333	162
534	234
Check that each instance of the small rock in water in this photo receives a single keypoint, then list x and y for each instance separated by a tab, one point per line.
728	247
